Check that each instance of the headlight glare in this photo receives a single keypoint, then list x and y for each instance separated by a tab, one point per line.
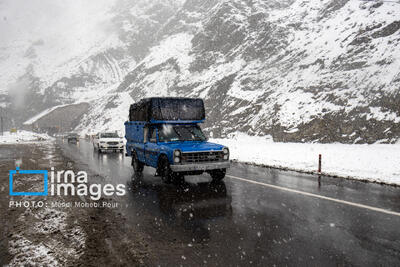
226	153
177	156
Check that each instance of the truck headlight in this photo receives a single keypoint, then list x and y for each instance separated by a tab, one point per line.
177	156
226	153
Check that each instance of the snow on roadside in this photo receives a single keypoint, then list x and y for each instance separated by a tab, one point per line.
47	239
23	137
28	253
376	163
44	236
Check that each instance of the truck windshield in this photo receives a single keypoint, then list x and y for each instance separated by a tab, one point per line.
109	135
171	133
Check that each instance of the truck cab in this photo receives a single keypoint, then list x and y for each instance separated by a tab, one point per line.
165	133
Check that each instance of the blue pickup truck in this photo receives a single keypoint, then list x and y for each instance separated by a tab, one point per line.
164	133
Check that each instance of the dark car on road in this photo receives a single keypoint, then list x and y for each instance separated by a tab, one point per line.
73	138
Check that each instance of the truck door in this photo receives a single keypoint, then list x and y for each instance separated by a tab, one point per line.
151	148
140	146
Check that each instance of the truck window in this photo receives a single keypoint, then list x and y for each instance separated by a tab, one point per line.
153	135
173	133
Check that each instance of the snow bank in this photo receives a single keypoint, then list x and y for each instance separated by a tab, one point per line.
377	162
22	136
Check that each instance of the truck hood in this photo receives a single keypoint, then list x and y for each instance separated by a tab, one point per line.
194	146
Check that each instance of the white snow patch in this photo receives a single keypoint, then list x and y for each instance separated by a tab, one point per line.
176	46
376	162
27	253
23	137
42	114
50	222
294	130
378	114
111	119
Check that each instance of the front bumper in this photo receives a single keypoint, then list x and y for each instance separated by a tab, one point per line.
200	166
111	147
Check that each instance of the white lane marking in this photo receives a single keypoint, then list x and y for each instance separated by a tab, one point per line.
318	196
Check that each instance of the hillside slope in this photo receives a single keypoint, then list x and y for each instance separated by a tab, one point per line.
46	75
299	70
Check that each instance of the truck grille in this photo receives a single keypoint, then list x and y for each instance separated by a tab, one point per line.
209	156
112	143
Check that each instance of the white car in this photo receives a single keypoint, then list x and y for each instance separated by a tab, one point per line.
108	142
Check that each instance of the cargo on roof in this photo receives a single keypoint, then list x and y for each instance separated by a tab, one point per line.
159	109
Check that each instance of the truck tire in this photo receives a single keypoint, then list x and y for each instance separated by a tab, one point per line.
166	174
164	170
178	178
136	164
218	175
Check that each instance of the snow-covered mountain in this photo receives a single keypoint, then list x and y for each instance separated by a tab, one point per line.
299	70
113	38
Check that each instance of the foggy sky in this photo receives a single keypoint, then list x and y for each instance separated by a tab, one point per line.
41	19
47	33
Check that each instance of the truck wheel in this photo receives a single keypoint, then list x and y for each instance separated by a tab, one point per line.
136	164
218	175
178	178
164	170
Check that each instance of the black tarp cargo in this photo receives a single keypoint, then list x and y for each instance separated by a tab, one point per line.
139	111
167	109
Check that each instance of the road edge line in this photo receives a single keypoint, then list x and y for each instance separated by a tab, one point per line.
317	196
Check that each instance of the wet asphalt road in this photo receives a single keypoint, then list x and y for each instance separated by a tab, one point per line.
240	222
